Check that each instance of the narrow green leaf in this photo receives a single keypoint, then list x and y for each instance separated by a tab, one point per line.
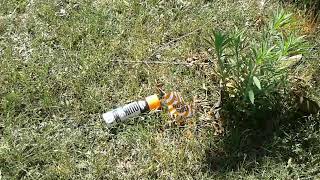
257	82
251	96
209	42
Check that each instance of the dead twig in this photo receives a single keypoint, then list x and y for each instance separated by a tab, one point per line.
158	62
165	45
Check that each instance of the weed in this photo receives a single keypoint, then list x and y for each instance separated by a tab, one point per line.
253	75
255	81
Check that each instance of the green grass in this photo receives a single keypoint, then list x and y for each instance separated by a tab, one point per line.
56	78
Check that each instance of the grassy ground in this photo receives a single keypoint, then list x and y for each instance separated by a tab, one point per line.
56	78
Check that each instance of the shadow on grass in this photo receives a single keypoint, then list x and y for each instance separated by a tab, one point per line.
273	134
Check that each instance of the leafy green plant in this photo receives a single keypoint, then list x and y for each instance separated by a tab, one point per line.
253	73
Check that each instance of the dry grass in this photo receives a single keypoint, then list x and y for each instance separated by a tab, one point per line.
56	78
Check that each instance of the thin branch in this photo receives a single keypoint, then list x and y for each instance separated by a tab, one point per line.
164	45
158	62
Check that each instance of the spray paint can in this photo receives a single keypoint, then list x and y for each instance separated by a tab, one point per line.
131	110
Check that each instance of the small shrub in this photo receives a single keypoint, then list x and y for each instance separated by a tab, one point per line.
254	73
